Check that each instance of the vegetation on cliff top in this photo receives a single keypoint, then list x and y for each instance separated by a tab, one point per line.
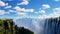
7	26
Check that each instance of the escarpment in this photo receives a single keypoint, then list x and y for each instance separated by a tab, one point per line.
7	26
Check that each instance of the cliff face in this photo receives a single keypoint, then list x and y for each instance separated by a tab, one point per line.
52	26
7	26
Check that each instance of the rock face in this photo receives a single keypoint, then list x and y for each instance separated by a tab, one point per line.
7	26
52	26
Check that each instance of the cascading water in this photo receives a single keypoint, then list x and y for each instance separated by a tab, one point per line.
52	26
41	26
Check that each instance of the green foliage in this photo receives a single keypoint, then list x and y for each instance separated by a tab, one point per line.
7	26
22	30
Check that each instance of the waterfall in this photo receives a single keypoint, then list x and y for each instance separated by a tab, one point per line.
52	26
41	26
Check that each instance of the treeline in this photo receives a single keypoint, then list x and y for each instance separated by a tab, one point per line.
7	26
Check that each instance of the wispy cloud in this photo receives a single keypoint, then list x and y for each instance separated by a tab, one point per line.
2	12
42	12
25	2
56	10
21	14
8	7
19	9
22	11
45	6
11	10
54	14
2	3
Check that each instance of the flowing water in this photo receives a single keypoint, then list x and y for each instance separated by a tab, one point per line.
41	26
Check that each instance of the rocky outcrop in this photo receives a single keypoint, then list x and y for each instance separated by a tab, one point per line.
7	26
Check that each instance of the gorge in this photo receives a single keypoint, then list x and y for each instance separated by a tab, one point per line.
41	26
30	26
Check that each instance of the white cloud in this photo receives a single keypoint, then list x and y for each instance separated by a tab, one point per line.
51	15
28	10
2	3
12	11
8	6
54	14
25	2
45	6
57	0
42	11
21	13
2	12
17	8
56	10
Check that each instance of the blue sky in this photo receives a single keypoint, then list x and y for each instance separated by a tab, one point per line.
29	8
